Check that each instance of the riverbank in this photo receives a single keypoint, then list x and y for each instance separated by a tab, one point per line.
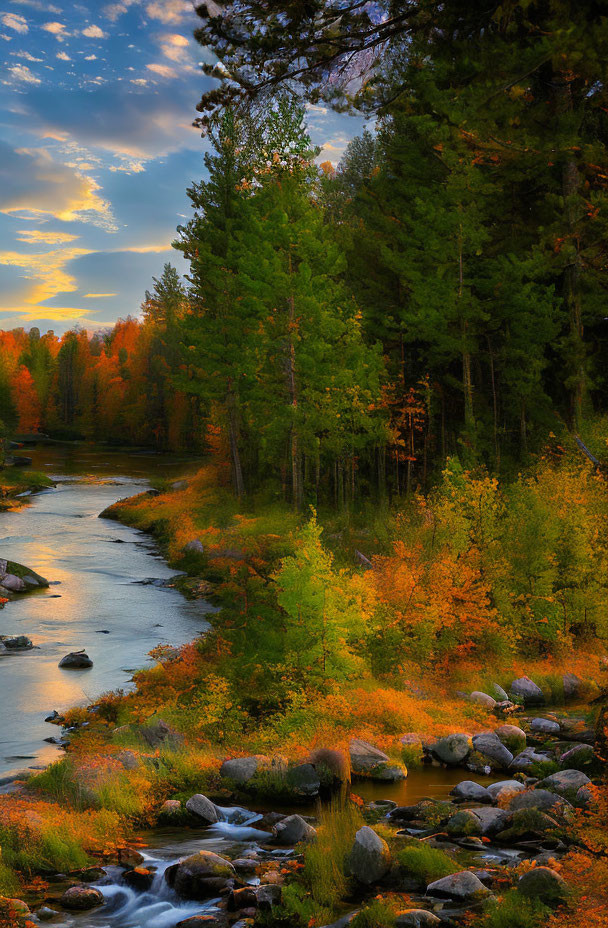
142	759
17	485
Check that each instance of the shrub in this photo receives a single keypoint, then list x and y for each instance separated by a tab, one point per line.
324	870
378	914
514	911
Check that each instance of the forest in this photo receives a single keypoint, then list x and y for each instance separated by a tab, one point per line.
388	375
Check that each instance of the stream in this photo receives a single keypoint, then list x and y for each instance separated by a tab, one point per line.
100	596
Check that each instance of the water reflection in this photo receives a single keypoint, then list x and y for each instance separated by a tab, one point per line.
97	599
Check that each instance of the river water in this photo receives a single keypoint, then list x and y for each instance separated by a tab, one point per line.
99	599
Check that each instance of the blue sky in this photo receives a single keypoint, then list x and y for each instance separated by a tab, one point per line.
96	152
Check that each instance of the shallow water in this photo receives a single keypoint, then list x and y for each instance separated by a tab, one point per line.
98	599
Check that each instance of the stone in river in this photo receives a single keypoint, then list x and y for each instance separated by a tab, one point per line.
76	660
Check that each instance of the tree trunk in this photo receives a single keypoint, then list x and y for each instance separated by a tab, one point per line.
237	471
296	477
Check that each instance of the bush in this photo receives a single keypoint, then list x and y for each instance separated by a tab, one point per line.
378	914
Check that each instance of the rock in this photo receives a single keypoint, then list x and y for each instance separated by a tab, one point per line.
565	782
195	546
536	799
512	737
200	876
76	660
504	789
527	758
170	808
584	797
292	830
499	693
203	809
80	898
369	859
268	895
206	920
462	886
303	780
545	726
464	824
491	820
12	583
246	865
365	759
453	749
482	699
416	918
544	884
489	745
572	685
139	878
242	769
526	689
526	824
16	642
469	791
129	857
242	898
128	759
581	755
45	914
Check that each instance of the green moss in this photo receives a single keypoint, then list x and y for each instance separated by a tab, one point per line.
425	863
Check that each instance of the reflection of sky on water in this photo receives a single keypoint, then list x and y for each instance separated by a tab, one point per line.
96	567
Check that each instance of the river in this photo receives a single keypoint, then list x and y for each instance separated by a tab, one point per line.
99	599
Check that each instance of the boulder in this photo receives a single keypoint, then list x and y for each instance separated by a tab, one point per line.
416	918
80	898
526	824
195	546
512	737
527	690
463	886
303	780
203	809
46	914
267	896
13	584
170	811
242	769
541	799
129	857
206	920
504	789
159	733
369	859
453	749
543	883
527	758
572	685
331	764
581	755
293	829
482	699
464	824
491	820
469	791
365	759
489	745
76	660
565	782
200	876
584	797
139	878
499	693
545	726
16	642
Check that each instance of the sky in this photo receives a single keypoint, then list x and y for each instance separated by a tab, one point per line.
96	151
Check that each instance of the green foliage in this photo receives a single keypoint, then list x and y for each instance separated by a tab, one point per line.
514	911
426	863
376	914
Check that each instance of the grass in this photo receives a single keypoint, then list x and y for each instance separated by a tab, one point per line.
426	863
325	871
378	914
513	911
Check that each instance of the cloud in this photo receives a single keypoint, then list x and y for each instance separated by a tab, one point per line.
62	56
14	21
26	55
33	185
97	296
128	167
168	11
56	29
114	11
174	46
90	58
49	277
162	69
21	72
38	237
94	32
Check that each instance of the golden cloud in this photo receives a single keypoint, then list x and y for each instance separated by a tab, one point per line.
36	237
162	69
97	296
48	276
